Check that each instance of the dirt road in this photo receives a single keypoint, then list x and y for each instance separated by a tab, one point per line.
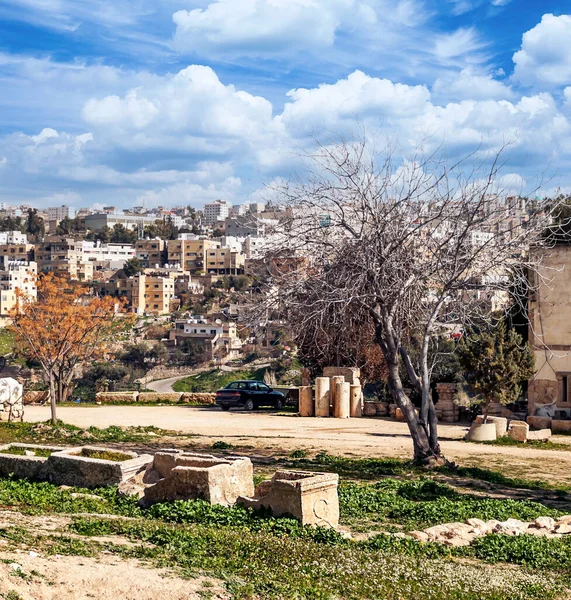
356	437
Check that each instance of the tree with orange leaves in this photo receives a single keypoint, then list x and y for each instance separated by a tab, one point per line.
63	330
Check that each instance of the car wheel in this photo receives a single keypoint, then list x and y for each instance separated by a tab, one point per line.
249	404
225	408
279	404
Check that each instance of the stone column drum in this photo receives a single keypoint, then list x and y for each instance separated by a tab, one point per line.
356	410
342	407
306	407
333	387
322	396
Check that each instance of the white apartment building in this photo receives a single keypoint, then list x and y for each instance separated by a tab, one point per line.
100	221
113	255
12	237
58	213
16	275
219	210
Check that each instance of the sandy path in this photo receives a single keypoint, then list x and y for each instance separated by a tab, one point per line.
358	437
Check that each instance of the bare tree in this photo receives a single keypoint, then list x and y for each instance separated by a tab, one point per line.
421	250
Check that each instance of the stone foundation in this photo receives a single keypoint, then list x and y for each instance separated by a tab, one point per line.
184	476
311	498
70	468
66	466
446	408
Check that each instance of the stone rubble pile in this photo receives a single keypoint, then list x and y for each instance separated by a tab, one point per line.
463	534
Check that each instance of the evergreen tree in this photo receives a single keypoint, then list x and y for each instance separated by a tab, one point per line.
496	362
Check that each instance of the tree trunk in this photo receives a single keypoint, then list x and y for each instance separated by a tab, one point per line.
53	398
423	452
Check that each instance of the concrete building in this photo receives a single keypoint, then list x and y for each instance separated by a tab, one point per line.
191	255
224	261
550	333
12	237
216	211
58	213
16	275
153	293
64	255
107	256
245	225
99	221
22	252
218	340
151	253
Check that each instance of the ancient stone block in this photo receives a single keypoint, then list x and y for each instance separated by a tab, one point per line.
543	435
322	396
306	404
518	431
356	408
22	466
370	409
350	374
559	426
342	406
482	432
399	415
309	497
501	424
74	467
539	422
333	387
184	476
382	409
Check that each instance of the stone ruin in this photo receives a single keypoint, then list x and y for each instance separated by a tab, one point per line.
498	427
309	497
182	476
463	534
173	475
337	394
70	466
11	403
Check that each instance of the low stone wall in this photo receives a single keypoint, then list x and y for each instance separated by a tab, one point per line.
25	467
36	397
195	398
104	397
160	397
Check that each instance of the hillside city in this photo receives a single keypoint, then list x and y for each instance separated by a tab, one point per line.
285	300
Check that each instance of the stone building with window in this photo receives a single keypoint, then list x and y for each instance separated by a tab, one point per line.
549	308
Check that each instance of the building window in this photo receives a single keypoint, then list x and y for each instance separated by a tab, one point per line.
564	396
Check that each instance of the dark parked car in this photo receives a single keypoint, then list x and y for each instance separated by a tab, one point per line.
250	395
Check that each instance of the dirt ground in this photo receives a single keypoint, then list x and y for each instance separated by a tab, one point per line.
29	575
272	433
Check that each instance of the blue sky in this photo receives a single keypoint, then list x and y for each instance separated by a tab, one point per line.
183	101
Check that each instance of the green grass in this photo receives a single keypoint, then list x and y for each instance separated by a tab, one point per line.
533	444
6	342
375	468
62	433
105	455
214	380
259	556
19	451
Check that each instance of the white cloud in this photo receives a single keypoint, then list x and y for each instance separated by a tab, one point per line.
193	102
268	27
358	97
470	83
545	55
459	43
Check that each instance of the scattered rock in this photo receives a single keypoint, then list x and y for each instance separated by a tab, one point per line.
545	523
16	567
564	519
80	496
420	536
29	453
563	528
